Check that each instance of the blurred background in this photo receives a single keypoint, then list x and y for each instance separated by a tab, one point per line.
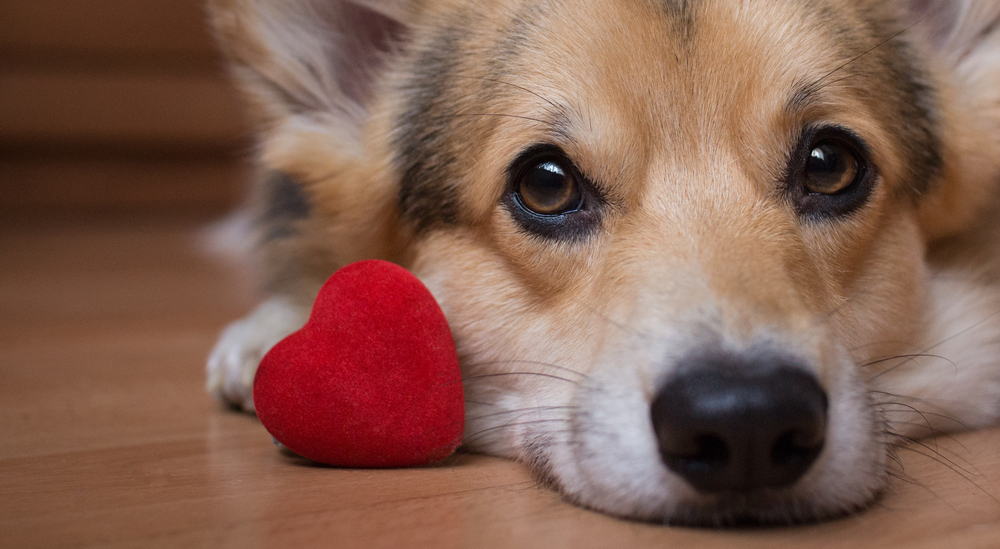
115	109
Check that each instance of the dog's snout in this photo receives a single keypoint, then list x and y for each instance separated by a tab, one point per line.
727	428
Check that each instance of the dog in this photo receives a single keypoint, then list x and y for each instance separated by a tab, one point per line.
705	262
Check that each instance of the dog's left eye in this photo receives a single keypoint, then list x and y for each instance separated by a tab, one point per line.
831	174
547	187
831	168
548	196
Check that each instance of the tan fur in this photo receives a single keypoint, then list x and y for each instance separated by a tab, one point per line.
688	133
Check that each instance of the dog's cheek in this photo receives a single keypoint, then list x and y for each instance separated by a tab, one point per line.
875	271
523	355
851	470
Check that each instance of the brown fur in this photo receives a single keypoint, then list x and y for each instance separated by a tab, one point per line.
684	114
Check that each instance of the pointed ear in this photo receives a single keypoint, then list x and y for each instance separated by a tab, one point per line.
314	58
962	40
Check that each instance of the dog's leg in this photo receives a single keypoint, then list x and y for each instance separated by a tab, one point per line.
234	360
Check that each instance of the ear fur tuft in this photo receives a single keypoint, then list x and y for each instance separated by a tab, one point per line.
962	38
316	58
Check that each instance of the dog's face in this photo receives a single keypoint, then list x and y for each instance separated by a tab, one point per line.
672	239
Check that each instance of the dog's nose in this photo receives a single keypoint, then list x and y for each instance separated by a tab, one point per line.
726	428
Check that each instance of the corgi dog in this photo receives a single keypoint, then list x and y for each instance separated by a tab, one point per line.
705	261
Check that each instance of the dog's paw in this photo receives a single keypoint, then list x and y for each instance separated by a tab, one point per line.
234	360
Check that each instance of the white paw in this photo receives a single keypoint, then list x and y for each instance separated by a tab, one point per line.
234	360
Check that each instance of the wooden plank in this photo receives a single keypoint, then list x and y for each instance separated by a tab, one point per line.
119	109
119	185
106	26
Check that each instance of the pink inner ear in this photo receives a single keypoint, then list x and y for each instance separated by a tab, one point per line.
939	16
366	40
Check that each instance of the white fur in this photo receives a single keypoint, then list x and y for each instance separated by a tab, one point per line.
955	384
233	362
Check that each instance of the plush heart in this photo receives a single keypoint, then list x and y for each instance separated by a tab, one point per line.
372	380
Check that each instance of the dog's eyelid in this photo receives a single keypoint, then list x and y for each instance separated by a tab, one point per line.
547	150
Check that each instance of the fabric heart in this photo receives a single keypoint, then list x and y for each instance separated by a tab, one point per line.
372	380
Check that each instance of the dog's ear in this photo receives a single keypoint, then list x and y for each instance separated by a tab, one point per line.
312	71
962	39
311	58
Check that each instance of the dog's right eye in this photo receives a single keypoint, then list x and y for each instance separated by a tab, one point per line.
547	187
548	196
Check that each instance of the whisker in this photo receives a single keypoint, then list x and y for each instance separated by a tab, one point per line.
906	478
915	410
895	342
498	81
936	435
935	454
832	82
508	425
961	333
966	475
852	60
507	374
921	412
926	352
910	358
529	363
523	411
500	115
894	456
907	355
916	424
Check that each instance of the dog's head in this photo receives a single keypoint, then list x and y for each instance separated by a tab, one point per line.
670	236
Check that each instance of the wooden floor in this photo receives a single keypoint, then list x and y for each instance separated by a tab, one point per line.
108	440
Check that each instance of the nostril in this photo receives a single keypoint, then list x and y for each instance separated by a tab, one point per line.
704	455
725	428
796	449
713	452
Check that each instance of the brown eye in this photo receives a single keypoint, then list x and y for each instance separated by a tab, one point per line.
831	168
830	173
547	187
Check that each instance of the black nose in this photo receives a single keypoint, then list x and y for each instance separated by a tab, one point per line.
739	427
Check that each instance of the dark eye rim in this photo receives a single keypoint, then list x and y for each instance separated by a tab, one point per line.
816	206
573	224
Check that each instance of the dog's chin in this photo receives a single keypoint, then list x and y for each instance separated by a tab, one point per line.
600	452
763	508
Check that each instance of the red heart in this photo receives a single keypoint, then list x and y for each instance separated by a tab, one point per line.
372	380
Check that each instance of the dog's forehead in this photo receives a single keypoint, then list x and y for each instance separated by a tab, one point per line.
673	60
639	78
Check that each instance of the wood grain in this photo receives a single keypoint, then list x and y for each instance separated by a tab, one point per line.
162	110
109	440
96	92
106	27
120	185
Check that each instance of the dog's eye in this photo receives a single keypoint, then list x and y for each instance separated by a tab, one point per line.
548	196
831	168
831	173
547	187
